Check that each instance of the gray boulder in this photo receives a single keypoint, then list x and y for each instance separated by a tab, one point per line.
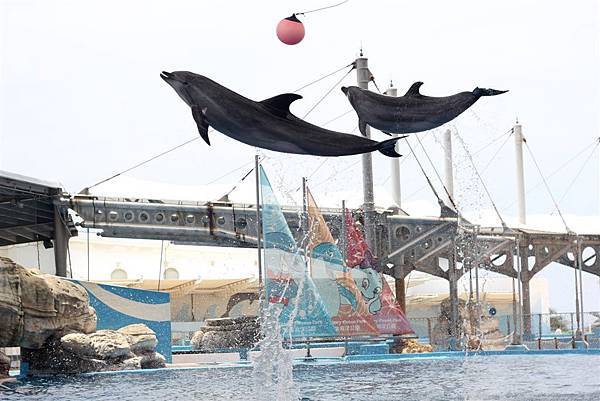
36	306
141	338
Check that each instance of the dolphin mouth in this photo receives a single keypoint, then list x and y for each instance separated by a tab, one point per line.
167	76
345	90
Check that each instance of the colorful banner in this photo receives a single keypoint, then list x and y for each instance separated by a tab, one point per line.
388	315
291	292
339	292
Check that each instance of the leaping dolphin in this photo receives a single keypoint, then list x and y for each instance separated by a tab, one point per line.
412	112
268	124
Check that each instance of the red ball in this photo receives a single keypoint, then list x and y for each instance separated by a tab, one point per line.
290	30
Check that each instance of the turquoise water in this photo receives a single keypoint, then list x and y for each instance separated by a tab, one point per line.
519	377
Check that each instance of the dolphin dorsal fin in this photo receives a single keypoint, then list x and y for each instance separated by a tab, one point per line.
414	89
280	104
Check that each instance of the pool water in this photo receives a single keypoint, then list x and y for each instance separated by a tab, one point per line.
506	377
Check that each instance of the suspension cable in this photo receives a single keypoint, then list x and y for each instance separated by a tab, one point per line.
557	170
322	8
437	174
496	153
230	172
440	202
546	185
323	77
578	173
210	129
328	92
481	180
142	163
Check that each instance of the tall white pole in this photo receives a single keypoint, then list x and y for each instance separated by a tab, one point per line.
520	173
395	162
258	224
448	171
363	76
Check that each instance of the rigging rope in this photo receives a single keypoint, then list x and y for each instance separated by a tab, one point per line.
323	77
481	180
497	152
142	163
577	175
322	8
546	185
553	173
210	130
437	174
440	202
328	92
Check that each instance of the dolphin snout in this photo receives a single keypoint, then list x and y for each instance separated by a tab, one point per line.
345	90
166	75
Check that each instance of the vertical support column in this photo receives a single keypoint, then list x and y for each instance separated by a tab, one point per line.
520	173
453	292
577	300
363	76
399	279
527	334
259	231
61	241
395	162
448	170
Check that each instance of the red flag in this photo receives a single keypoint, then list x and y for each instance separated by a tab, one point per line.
355	242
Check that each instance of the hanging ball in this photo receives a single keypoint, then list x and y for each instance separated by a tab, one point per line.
290	30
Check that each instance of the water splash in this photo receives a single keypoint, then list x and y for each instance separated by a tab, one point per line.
272	371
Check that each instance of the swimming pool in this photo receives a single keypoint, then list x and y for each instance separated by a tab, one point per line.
490	377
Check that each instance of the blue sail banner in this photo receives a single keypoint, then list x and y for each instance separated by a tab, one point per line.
290	290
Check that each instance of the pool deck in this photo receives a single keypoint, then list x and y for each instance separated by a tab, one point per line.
353	359
227	362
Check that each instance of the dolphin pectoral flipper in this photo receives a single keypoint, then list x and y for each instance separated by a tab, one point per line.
201	122
362	127
280	104
414	89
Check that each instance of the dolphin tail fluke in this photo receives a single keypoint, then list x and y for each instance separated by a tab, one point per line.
388	147
487	92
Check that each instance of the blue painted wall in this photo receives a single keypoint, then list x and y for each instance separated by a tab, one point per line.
117	307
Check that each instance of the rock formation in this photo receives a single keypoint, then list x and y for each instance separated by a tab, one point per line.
35	306
409	346
489	336
51	320
239	332
100	351
4	365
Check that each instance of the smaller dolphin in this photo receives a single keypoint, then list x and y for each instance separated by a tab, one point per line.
268	124
412	112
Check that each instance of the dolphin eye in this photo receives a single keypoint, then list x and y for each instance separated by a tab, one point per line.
365	283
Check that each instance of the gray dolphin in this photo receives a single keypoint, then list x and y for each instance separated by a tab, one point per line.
268	124
412	112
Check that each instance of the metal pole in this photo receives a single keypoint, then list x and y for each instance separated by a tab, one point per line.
395	162
258	224
448	171
520	309
61	238
515	339
453	290
161	263
88	254
305	227
580	253
363	76
577	309
344	238
520	173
